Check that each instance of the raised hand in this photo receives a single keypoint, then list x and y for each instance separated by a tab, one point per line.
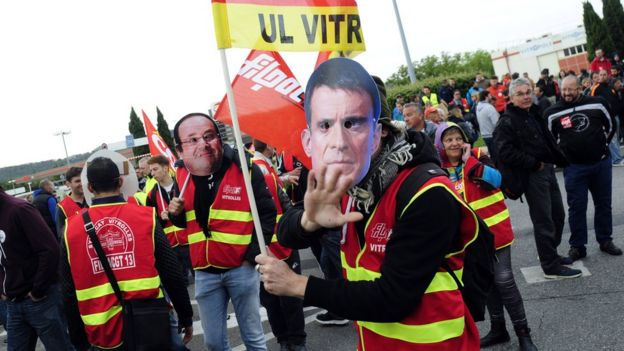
326	187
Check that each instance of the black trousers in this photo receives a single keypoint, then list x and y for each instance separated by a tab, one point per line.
505	292
286	313
548	216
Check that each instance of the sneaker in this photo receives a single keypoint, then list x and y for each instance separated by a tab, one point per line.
329	318
576	253
618	164
564	273
610	248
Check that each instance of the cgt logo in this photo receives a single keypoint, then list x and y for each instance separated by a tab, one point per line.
381	232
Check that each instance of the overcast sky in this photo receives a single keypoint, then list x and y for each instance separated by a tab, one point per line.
80	65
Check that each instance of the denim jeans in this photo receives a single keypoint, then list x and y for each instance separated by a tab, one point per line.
595	178
28	320
214	290
548	216
614	145
327	253
491	146
3	313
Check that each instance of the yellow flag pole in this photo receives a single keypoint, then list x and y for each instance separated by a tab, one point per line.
241	152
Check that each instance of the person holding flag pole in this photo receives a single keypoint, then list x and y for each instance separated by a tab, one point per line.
215	208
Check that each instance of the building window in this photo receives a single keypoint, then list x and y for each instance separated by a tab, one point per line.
573	51
566	52
584	47
579	49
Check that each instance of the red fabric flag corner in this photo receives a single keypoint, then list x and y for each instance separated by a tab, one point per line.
269	102
157	145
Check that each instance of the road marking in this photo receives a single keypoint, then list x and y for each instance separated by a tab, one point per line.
535	274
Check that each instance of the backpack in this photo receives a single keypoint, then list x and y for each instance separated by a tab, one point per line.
479	258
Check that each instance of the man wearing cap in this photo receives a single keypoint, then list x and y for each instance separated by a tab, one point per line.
215	210
141	260
397	228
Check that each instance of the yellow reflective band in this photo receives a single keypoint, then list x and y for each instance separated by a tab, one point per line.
240	239
443	281
171	229
357	273
190	215
487	201
196	237
419	334
231	215
96	319
124	285
279	216
274	238
497	218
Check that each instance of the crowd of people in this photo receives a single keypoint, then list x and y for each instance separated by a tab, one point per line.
393	201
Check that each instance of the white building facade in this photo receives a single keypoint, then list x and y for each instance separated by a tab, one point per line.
565	51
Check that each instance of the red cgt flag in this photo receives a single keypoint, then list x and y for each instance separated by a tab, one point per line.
269	102
157	145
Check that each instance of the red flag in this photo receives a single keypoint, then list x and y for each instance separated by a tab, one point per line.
157	145
269	102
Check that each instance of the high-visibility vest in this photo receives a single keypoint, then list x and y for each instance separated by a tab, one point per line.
175	235
69	207
441	321
274	183
488	204
433	99
230	223
126	232
141	195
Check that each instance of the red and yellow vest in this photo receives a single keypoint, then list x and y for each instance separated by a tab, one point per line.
126	232
441	322
488	204
69	207
175	235
230	222
274	183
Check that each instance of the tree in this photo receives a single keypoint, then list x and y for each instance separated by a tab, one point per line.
163	130
596	31
137	130
445	65
613	14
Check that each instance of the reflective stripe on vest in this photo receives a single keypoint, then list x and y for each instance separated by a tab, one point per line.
441	297
230	223
127	235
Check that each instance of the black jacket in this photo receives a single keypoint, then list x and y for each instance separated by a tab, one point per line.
604	90
41	204
428	229
523	142
29	253
582	128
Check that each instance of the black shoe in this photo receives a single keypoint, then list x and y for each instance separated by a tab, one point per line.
524	339
566	261
610	248
498	334
329	318
284	346
576	253
564	273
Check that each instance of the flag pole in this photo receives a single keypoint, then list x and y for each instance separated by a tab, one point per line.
241	152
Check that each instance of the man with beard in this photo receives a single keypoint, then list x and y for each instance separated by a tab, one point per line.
216	213
583	127
410	222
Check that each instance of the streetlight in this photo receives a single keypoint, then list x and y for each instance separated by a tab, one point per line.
63	134
410	65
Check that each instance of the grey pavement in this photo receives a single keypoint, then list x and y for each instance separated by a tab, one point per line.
585	313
